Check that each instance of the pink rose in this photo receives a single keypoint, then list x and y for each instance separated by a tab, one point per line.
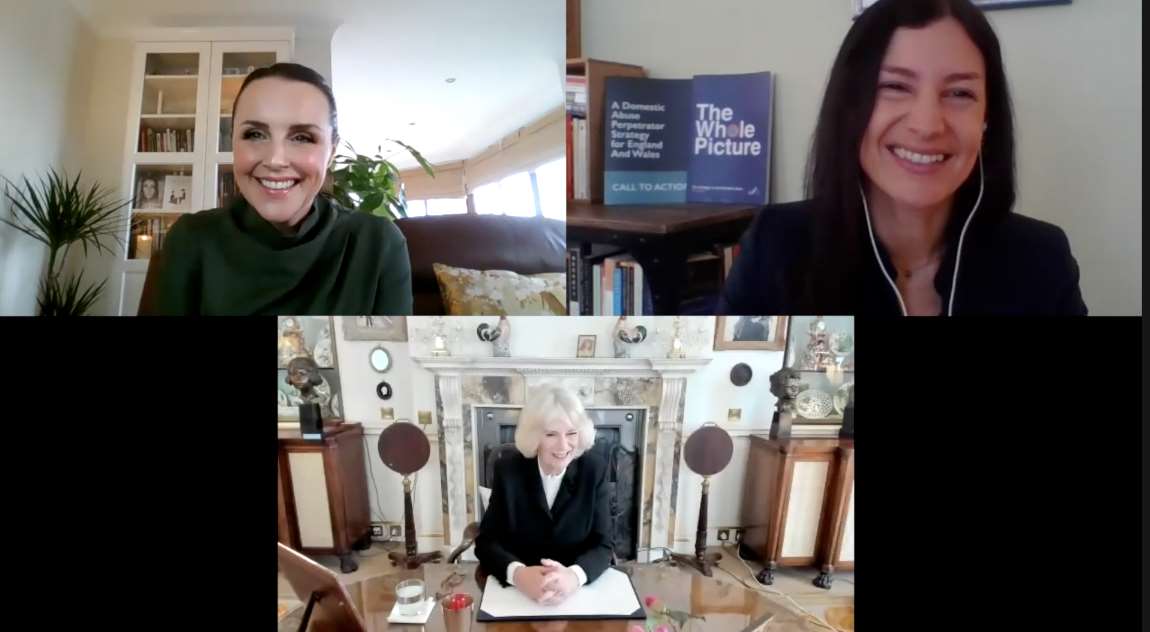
650	600
662	627
636	628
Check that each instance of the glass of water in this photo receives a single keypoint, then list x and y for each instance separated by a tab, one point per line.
409	596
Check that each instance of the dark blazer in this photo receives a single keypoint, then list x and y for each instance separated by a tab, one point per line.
517	527
1014	265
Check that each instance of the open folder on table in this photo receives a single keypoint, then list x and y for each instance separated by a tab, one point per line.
610	596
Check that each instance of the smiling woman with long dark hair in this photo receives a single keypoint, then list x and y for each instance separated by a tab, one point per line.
282	247
910	186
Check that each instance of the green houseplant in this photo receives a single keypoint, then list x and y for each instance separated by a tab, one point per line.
371	183
58	213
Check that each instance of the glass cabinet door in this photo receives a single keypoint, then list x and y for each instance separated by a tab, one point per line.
231	63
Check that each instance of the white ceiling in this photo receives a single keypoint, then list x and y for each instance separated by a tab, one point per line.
389	61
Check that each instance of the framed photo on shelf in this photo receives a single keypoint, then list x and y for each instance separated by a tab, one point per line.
586	346
148	192
177	193
754	333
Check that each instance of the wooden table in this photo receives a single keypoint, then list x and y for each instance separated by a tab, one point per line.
725	603
660	237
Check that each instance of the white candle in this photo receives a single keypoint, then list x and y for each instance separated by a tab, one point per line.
143	246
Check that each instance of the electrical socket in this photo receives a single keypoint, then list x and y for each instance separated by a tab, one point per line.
377	530
724	535
396	531
739	535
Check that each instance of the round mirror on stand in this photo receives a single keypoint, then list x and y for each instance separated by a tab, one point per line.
707	451
380	359
404	449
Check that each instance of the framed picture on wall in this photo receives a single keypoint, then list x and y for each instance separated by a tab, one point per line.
752	333
860	5
308	337
387	328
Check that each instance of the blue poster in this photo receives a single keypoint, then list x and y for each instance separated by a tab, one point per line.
730	139
646	149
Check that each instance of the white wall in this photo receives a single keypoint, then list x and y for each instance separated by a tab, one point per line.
1075	73
40	43
709	395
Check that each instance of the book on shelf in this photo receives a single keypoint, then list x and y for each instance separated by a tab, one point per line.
580	175
166	140
570	158
575	92
227	190
706	139
611	285
153	229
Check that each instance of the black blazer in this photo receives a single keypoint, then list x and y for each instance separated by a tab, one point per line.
1015	265
517	526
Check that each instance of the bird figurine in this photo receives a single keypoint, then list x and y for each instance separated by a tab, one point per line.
624	336
499	336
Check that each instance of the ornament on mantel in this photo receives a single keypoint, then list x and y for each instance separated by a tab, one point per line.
685	336
624	336
440	336
499	336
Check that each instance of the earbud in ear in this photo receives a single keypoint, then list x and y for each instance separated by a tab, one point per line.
984	126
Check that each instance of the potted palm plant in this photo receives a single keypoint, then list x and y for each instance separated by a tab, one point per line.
371	183
58	213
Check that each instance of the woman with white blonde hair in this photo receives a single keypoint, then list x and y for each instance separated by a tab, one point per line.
547	530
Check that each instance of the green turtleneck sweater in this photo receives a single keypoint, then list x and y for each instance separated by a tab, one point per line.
230	261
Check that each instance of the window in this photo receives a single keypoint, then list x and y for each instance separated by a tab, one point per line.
541	191
551	182
513	195
436	206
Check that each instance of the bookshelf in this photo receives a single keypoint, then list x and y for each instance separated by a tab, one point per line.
178	154
661	239
594	71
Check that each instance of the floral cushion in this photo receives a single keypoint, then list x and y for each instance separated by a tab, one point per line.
501	292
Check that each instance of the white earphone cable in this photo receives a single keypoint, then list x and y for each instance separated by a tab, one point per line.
958	256
874	245
962	236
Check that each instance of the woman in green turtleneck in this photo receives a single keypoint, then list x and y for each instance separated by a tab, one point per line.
281	248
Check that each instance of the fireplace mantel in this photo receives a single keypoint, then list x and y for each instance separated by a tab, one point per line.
635	367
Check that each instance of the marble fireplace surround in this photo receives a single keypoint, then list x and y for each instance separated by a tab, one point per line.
657	385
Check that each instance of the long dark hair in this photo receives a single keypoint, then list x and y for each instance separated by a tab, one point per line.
295	72
828	281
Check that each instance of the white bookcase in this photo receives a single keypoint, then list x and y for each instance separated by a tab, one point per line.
178	146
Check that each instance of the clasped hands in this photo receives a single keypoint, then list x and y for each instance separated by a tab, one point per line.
549	583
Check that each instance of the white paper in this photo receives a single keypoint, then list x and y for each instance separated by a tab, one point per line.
611	594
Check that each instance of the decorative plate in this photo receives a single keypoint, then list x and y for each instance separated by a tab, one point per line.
813	404
843	395
842	343
322	351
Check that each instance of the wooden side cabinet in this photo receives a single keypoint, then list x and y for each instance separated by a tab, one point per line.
798	505
322	500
